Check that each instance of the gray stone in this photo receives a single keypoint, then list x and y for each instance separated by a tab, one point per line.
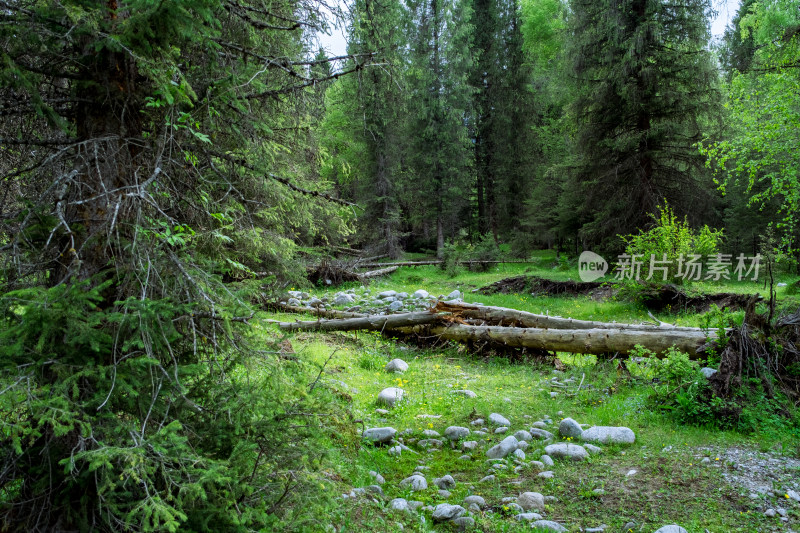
547	474
477	422
395	451
519	454
781	511
506	447
431	443
399	504
540	425
527	517
672	528
500	466
463	522
390	396
531	500
500	430
564	450
294	302
416	482
456	432
466	392
469	445
396	305
342	298
382	411
548	525
414	505
377	477
431	433
523	445
794	495
396	365
475	499
445	511
387	294
380	435
473	508
541	434
598	529
523	435
444	493
487	479
570	428
547	460
708	372
421	293
445	482
538	465
770	513
465	458
609	434
402	295
592	449
498	420
455	295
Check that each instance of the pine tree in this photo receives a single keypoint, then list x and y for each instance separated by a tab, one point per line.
645	84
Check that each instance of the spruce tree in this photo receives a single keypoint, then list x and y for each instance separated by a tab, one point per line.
645	85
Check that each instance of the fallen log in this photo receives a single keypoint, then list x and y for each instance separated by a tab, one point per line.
316	311
513	317
377	273
439	262
369	323
585	341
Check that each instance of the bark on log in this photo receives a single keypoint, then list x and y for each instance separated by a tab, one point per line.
513	317
318	311
369	323
379	272
587	341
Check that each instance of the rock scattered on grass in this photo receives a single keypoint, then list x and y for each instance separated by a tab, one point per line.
477	500
445	511
609	435
396	365
416	482
563	450
531	500
445	482
672	528
570	428
380	435
391	396
498	420
503	449
456	432
465	392
548	525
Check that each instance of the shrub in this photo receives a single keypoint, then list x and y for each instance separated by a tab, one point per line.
671	239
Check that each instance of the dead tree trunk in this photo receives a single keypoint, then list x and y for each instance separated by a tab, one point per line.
369	323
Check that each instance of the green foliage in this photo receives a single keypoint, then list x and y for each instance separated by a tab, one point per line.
672	240
760	151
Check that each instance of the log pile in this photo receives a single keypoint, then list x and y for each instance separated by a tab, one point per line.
503	327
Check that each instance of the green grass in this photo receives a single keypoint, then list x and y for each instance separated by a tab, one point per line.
671	485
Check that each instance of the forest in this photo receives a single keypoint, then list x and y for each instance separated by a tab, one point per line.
196	198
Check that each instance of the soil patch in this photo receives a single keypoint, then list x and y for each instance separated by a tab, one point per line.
540	286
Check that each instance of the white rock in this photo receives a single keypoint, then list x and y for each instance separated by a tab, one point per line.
793	495
422	294
390	396
672	528
523	435
396	365
523	445
506	447
377	477
547	474
547	460
343	299
487	479
500	430
294	302
445	482
468	393
416	482
548	525
455	295
446	511
609	434
527	517
592	449
708	372
395	451
567	451
387	294
570	428
541	434
519	454
469	445
475	499
456	432
463	523
498	420
399	504
531	500
478	422
431	433
396	305
380	435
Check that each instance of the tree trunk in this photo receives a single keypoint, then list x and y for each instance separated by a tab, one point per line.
368	323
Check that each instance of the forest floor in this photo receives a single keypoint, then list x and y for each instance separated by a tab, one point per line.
700	478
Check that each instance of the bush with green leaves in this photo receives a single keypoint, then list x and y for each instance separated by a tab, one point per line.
673	241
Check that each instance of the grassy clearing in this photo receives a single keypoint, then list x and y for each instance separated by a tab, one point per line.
671	484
